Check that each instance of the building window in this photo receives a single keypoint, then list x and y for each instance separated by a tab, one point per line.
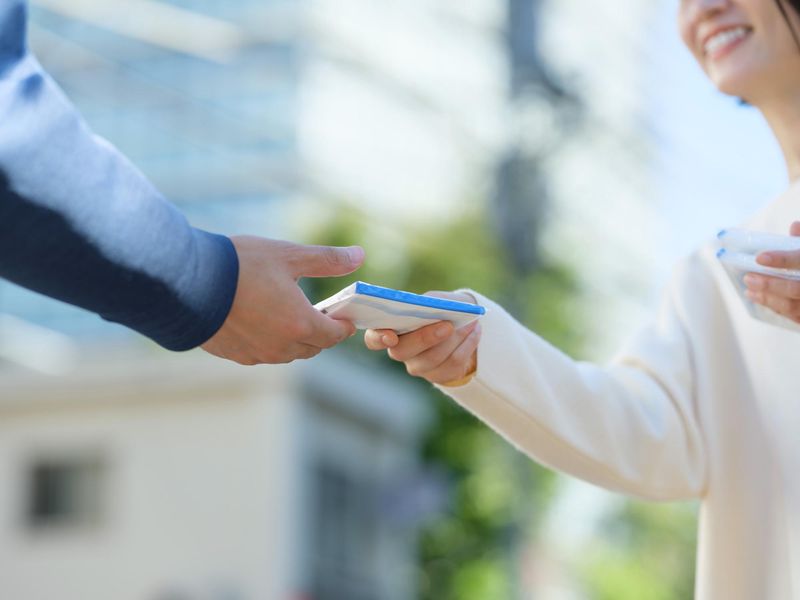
345	532
65	492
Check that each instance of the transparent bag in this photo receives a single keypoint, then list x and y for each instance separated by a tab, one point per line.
737	253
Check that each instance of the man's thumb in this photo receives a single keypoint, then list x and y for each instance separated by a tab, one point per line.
326	261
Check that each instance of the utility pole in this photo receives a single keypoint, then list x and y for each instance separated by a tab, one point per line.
540	111
540	115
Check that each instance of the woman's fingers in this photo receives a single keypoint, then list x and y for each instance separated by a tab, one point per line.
782	259
417	342
780	295
783	306
437	352
777	286
788	259
460	363
429	360
380	339
409	345
777	293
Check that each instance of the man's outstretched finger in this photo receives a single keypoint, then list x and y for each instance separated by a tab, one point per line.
324	261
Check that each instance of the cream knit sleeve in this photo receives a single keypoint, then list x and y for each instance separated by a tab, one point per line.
629	427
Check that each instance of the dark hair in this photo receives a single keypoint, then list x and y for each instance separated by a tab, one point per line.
795	4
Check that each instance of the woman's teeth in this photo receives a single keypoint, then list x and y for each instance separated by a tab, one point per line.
723	38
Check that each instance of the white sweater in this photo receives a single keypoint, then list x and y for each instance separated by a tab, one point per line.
703	403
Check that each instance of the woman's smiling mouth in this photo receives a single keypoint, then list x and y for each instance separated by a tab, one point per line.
724	41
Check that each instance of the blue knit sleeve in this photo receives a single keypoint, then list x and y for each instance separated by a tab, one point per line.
79	223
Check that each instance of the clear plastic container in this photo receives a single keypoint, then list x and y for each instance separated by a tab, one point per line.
737	253
753	242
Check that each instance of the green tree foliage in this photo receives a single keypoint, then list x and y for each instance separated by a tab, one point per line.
648	553
499	498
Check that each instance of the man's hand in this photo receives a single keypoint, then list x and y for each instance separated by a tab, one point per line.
779	294
271	320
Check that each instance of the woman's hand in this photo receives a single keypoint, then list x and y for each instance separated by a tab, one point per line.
780	295
438	352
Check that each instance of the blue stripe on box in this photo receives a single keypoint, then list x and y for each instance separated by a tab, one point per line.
377	291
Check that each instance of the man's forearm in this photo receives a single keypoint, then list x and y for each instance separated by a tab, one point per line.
79	223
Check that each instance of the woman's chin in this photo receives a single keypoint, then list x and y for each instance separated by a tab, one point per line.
736	86
744	80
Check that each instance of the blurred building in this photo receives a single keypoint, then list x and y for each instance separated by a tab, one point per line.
156	478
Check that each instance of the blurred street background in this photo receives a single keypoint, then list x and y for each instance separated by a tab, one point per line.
556	155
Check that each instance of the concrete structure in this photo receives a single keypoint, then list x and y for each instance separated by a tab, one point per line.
186	477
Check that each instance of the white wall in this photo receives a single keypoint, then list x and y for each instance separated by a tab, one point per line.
200	489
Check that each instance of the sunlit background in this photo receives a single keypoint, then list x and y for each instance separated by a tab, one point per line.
557	155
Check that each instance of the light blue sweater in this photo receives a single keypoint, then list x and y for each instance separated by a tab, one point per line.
80	223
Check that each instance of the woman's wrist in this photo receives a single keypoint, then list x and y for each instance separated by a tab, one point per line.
471	370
